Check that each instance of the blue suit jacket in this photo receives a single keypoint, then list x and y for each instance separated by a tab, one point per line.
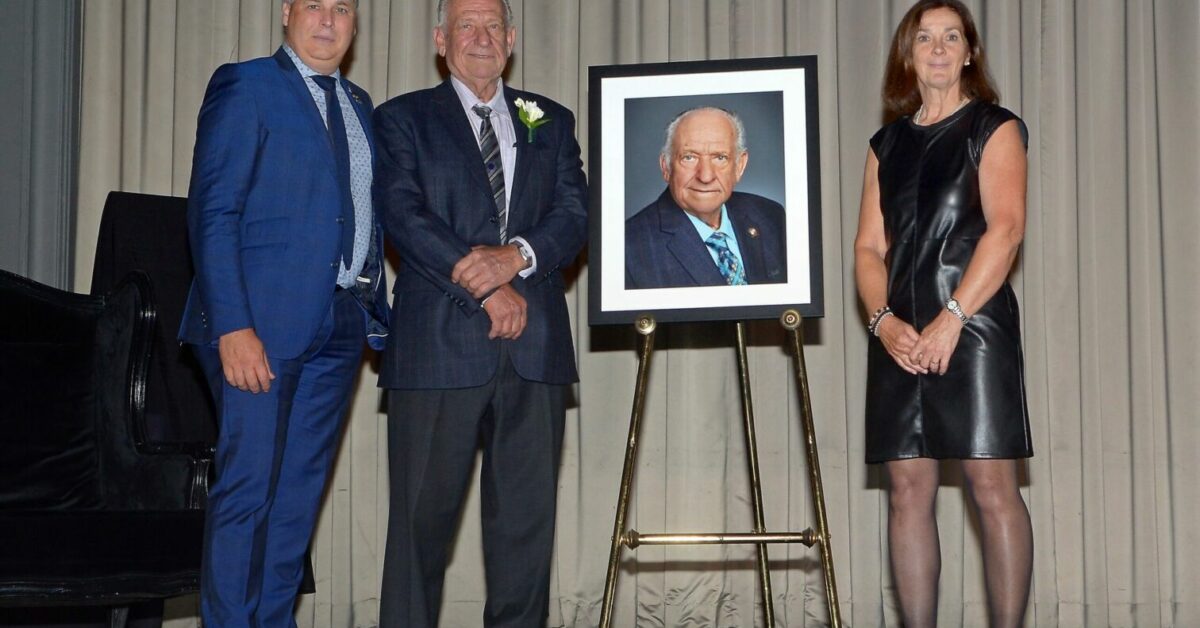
263	211
663	250
433	197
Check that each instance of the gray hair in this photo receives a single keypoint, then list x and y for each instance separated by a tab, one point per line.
294	2
739	131
443	6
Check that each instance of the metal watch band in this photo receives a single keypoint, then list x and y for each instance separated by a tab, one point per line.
526	254
956	309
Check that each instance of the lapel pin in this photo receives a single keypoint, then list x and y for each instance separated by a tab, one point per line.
753	231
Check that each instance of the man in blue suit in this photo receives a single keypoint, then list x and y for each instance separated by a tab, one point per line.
484	211
288	283
700	232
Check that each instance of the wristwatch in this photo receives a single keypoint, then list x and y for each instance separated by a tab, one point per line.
526	254
956	309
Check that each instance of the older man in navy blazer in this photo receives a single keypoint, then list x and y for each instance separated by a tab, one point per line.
288	284
484	210
700	232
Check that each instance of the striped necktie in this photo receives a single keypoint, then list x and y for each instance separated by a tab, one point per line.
489	147
727	262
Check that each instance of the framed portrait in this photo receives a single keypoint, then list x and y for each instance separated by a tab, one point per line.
705	190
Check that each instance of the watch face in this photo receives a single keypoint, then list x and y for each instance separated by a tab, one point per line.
956	309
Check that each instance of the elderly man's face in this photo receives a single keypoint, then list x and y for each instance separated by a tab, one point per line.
475	40
704	164
320	31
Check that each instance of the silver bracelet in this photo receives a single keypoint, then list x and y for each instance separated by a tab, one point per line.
877	318
879	323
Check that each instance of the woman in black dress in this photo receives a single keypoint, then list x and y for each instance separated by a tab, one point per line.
942	217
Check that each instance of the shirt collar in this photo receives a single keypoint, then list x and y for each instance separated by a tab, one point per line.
705	231
469	99
306	71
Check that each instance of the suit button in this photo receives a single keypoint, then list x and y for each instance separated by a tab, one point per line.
492	220
340	220
333	264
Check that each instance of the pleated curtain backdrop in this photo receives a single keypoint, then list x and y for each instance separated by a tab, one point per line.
1107	278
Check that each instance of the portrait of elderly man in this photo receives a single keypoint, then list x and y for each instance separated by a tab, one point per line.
700	232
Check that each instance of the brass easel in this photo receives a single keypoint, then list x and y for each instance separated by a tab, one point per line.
790	320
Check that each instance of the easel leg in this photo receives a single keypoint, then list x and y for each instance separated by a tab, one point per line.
764	572
645	326
792	321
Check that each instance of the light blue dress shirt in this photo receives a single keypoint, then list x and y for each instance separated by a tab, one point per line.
726	227
360	166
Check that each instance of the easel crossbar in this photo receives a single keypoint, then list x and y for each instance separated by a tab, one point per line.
632	539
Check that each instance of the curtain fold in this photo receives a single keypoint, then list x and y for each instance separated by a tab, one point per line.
1106	278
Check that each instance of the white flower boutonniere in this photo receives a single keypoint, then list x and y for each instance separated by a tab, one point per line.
531	115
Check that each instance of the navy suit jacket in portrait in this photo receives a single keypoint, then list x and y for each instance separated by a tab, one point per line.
663	249
263	212
433	197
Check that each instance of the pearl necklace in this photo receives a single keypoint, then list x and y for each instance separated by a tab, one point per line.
921	111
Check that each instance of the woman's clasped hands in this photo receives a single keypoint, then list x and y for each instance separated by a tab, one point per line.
921	353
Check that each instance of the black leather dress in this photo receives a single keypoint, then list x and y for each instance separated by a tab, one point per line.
929	194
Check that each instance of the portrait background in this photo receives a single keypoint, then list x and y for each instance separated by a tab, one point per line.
646	121
1106	282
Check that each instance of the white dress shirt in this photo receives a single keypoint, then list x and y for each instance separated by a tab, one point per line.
506	136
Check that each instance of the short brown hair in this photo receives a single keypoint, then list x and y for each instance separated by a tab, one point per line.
900	94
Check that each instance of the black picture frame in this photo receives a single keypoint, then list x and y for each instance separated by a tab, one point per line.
629	108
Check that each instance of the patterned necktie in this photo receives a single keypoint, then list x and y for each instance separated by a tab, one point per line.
489	147
731	269
336	127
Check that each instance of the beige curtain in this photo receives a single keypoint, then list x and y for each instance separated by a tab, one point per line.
1107	279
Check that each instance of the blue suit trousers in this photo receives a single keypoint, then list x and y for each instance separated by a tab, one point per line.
274	452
